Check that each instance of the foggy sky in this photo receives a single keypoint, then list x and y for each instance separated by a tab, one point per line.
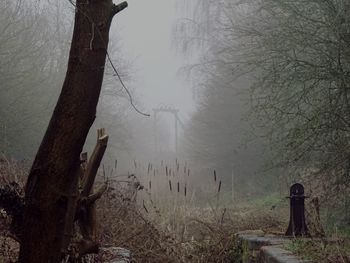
144	29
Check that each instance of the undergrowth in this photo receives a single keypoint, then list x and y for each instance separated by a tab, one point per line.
156	225
321	250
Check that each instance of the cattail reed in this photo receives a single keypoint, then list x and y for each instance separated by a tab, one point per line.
177	167
144	206
150	185
219	188
178	187
135	164
185	190
166	170
214	176
171	189
148	168
115	164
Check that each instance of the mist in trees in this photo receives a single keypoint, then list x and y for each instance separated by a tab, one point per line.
270	87
31	65
270	83
289	61
220	135
270	80
35	39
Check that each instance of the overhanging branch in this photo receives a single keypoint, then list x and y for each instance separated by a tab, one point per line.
119	7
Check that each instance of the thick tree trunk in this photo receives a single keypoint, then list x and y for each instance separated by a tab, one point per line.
52	179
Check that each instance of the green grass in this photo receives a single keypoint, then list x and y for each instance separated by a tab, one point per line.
268	201
321	251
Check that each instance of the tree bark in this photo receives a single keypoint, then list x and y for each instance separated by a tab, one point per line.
52	180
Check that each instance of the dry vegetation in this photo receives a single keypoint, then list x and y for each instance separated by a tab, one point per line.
10	171
167	226
164	225
156	226
322	250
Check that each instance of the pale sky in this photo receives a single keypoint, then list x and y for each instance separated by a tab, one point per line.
145	29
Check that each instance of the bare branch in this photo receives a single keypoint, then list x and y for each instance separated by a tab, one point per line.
119	7
94	162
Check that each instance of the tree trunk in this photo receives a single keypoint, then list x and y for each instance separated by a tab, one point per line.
52	178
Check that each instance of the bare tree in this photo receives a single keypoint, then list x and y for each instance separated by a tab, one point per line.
298	52
32	66
53	177
296	55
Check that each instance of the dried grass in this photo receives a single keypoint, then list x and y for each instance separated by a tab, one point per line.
122	224
171	229
10	171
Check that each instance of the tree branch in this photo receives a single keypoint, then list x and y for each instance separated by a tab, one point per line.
94	162
119	7
94	197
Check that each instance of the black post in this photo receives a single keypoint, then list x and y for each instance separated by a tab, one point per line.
297	225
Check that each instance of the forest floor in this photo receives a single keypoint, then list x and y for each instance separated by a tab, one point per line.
174	230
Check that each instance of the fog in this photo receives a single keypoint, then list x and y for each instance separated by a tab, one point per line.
157	80
235	94
194	118
145	30
145	47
